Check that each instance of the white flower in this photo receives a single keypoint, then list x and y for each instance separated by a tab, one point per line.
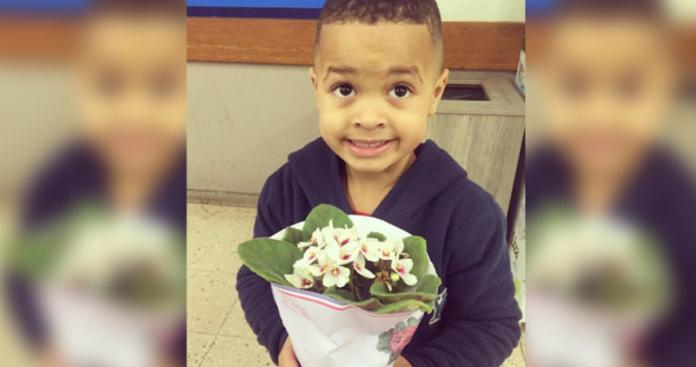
330	235
359	266
348	253
390	249
301	278
330	270
398	246
346	236
316	240
310	256
336	276
403	268
302	244
369	248
322	265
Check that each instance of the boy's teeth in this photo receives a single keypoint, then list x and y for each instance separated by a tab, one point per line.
365	144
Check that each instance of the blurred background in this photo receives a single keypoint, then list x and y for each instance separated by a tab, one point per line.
610	183
92	195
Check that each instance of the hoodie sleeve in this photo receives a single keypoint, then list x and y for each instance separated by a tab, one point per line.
255	292
481	318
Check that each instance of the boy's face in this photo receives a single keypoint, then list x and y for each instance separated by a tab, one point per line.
606	85
375	87
132	90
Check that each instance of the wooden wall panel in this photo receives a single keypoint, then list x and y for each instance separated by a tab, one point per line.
468	45
484	137
487	146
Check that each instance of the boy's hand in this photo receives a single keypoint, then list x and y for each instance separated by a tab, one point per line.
402	362
287	357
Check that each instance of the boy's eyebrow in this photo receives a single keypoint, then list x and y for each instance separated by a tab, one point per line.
339	70
411	70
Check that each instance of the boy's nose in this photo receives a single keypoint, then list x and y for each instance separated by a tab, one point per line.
369	117
369	124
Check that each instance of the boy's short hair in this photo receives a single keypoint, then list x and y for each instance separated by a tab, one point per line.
376	11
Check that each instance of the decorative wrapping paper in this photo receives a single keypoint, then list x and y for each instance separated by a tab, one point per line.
327	333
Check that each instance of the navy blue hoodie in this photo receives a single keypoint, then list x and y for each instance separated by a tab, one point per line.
477	320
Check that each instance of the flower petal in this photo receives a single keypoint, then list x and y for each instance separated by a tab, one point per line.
410	279
359	266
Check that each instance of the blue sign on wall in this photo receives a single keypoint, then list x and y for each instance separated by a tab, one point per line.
297	9
42	6
294	9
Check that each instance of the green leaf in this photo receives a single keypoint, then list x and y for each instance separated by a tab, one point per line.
378	236
270	259
348	298
416	248
426	291
406	306
292	235
320	217
340	294
429	284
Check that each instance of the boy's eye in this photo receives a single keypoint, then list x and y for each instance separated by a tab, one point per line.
400	92
344	91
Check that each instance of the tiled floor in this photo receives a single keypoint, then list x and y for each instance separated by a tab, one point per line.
218	335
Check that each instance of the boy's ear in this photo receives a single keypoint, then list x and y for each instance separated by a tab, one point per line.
313	77
439	90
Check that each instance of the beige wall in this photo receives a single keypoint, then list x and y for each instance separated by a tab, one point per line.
243	120
482	10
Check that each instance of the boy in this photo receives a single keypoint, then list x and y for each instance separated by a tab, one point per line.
129	154
378	75
609	80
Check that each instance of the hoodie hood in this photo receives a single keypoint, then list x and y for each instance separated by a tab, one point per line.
318	171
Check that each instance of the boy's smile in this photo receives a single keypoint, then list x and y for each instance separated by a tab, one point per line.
368	148
375	87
